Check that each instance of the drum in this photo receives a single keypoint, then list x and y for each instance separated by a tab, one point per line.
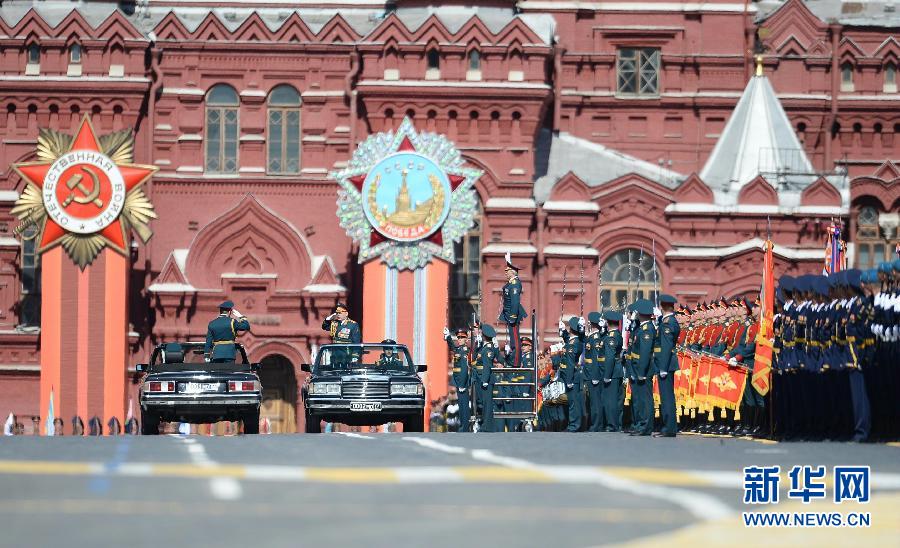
554	393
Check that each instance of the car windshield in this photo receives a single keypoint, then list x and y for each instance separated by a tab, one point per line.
350	357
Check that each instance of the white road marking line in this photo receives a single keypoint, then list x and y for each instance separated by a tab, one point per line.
430	474
275	473
355	435
702	506
226	488
436	445
221	487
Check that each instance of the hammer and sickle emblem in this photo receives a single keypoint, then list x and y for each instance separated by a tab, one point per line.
89	195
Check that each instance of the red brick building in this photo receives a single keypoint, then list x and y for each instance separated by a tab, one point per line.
595	124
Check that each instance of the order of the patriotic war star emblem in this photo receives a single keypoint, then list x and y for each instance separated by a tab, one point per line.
406	197
84	193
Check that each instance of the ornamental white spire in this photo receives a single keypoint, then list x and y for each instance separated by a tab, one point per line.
758	140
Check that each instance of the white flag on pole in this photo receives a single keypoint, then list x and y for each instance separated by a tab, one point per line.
50	427
9	425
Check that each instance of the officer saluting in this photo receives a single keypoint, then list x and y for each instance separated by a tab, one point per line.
343	330
222	331
513	313
460	376
666	364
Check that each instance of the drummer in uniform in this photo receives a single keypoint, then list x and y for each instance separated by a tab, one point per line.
460	376
222	332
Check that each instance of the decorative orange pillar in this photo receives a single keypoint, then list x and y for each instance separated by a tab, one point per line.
84	195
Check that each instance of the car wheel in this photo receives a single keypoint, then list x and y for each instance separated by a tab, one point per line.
414	424
149	423
251	422
313	424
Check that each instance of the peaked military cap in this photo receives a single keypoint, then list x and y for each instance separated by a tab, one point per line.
643	307
821	286
667	299
612	316
885	267
526	340
854	278
488	331
573	322
594	317
227	304
509	265
786	282
389	341
462	333
341	305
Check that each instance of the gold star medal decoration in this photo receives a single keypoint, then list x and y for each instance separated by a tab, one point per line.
84	193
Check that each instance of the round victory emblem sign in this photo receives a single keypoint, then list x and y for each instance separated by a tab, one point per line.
406	197
84	191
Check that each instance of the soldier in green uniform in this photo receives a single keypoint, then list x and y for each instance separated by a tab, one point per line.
460	373
666	364
389	358
642	369
512	312
570	369
593	375
612	373
343	330
222	332
483	377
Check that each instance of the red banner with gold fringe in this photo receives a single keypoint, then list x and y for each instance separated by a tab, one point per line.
762	365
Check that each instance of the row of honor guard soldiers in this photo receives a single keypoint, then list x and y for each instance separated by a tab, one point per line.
837	355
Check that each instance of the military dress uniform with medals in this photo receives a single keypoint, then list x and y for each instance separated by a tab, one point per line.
460	376
221	334
343	332
665	365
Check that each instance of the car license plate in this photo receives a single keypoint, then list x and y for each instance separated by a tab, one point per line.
198	387
365	406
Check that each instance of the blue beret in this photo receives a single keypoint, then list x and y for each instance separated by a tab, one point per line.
612	316
573	322
667	299
872	275
833	279
227	304
884	267
853	277
488	331
594	317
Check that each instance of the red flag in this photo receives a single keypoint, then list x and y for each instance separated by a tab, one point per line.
762	366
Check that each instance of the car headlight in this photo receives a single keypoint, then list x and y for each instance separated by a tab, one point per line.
407	389
325	389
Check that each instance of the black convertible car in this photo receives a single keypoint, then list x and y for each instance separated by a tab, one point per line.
180	386
364	384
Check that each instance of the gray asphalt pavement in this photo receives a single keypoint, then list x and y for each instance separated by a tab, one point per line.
539	489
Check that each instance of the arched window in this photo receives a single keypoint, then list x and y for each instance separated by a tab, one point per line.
871	247
890	78
620	276
34	54
847	76
474	60
284	130
465	276
30	305
222	129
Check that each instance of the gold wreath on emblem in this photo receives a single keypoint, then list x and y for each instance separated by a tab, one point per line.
724	382
405	213
137	212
